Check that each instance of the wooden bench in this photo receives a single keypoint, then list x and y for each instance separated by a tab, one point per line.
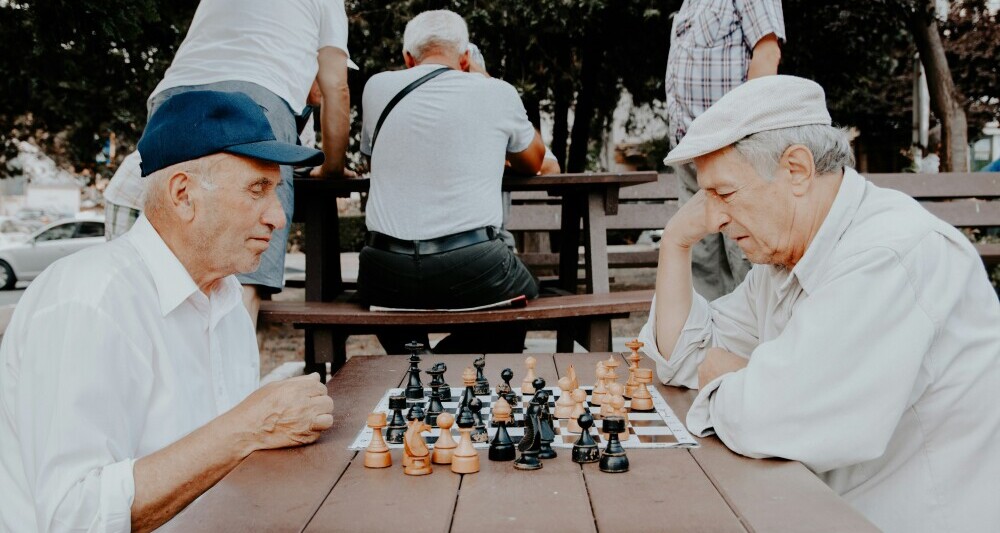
582	317
965	200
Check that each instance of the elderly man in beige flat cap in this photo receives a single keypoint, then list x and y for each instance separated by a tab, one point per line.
863	343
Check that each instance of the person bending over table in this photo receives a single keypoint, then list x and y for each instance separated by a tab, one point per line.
128	372
434	207
864	341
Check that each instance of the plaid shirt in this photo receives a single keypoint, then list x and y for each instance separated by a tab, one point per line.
710	49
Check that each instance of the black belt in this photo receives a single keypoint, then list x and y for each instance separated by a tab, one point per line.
447	243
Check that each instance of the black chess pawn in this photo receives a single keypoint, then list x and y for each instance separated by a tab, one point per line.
502	447
482	386
445	389
504	388
531	442
479	433
396	426
613	459
434	407
414	388
416	411
545	429
585	450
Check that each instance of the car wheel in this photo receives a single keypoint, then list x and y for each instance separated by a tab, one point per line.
7	277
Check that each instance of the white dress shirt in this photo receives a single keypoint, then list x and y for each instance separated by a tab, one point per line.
875	362
112	354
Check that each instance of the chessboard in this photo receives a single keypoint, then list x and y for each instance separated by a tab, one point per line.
659	428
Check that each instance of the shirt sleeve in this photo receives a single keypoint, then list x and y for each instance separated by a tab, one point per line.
831	388
333	25
729	323
515	119
80	409
758	18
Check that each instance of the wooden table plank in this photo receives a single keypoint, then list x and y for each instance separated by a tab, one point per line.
664	490
279	490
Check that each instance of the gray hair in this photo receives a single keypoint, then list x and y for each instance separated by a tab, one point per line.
157	194
830	146
439	29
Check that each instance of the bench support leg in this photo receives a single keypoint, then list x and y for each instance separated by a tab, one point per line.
324	346
598	337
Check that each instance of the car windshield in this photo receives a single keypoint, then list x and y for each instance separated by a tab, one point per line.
62	231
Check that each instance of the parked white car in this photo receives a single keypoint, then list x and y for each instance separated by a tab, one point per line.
24	259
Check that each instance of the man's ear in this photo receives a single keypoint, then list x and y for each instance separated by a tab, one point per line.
181	185
798	165
463	61
408	59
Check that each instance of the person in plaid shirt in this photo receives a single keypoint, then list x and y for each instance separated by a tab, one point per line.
715	46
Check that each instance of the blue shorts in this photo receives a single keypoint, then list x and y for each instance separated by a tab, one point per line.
270	275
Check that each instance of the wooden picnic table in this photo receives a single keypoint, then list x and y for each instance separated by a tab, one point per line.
586	200
325	486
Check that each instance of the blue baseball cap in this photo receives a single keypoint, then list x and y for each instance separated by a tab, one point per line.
195	124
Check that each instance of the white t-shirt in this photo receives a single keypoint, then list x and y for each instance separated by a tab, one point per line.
271	43
112	354
441	151
875	362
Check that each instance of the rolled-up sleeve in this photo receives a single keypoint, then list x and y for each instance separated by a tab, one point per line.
80	408
728	322
828	390
758	18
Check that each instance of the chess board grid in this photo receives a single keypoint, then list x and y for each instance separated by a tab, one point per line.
659	428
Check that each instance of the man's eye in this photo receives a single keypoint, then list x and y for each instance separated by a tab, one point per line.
727	195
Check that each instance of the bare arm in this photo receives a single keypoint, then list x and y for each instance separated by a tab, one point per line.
528	161
765	58
335	117
286	413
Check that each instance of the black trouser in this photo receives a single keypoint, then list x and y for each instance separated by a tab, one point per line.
467	277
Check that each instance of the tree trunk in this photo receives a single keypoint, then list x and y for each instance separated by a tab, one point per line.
946	101
583	115
560	121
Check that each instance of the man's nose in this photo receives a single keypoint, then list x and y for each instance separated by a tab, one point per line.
715	210
274	215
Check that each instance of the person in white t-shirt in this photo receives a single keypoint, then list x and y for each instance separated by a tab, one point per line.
271	51
434	209
129	373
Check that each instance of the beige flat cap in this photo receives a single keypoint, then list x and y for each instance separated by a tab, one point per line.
762	104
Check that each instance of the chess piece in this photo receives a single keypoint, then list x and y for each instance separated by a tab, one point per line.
538	384
600	387
530	444
414	389
585	450
420	463
611	376
465	458
613	460
415	414
503	388
573	383
618	409
501	447
642	400
397	424
529	376
579	407
565	404
479	433
444	389
482	385
377	452
545	429
469	380
434	407
445	444
614	390
513	401
634	358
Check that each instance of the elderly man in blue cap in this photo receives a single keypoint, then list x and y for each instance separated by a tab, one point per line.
864	342
129	372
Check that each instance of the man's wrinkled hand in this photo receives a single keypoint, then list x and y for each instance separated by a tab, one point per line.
691	223
286	413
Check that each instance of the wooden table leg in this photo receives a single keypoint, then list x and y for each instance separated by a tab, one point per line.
596	245
573	209
323	279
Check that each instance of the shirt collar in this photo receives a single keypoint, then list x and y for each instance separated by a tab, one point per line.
842	212
174	284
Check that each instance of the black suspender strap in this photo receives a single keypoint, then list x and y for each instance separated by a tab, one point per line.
399	96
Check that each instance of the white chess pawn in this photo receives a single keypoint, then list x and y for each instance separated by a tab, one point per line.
600	388
579	397
526	387
565	403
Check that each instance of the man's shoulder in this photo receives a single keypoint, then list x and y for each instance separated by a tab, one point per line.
92	275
